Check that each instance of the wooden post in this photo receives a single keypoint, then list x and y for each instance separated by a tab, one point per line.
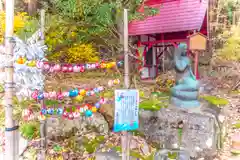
196	56
11	153
32	7
125	135
43	134
43	123
42	23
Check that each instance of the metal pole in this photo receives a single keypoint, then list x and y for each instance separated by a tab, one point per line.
9	122
125	139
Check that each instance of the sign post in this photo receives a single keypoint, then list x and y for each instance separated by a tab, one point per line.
126	116
125	134
126	102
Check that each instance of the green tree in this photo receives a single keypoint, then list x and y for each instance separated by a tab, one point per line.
95	21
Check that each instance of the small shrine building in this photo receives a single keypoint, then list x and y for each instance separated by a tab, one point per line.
178	21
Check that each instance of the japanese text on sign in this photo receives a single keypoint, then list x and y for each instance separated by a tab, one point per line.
126	110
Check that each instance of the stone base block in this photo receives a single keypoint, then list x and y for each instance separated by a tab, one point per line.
202	129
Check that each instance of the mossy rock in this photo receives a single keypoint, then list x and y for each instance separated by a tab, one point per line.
30	130
1	88
137	133
172	155
215	100
237	125
91	145
151	105
160	94
132	153
108	94
141	94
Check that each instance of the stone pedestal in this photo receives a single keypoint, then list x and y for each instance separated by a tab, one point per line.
112	155
172	154
201	133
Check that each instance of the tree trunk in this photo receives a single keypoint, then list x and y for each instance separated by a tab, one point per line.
32	7
1	6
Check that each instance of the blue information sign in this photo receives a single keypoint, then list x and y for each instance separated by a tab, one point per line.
126	110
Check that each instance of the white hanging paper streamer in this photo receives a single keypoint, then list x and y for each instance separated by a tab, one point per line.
27	78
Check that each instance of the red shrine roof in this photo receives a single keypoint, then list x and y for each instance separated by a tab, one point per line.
174	16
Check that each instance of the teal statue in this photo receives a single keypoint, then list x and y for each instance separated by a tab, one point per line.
185	92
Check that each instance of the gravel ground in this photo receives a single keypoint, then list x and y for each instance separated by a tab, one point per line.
233	116
217	86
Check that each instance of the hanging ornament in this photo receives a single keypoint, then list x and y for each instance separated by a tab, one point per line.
82	69
40	64
60	96
31	63
116	81
65	114
59	111
92	93
100	88
108	66
96	90
73	93
103	65
102	101
34	95
51	70
66	94
57	68
93	66
46	67
85	107
40	96
97	105
46	95
20	60
88	113
44	111
120	63
50	111
76	114
110	83
64	68
76	68
82	92
70	116
88	93
52	95
88	66
79	98
70	68
113	64
41	117
97	65
81	110
94	109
